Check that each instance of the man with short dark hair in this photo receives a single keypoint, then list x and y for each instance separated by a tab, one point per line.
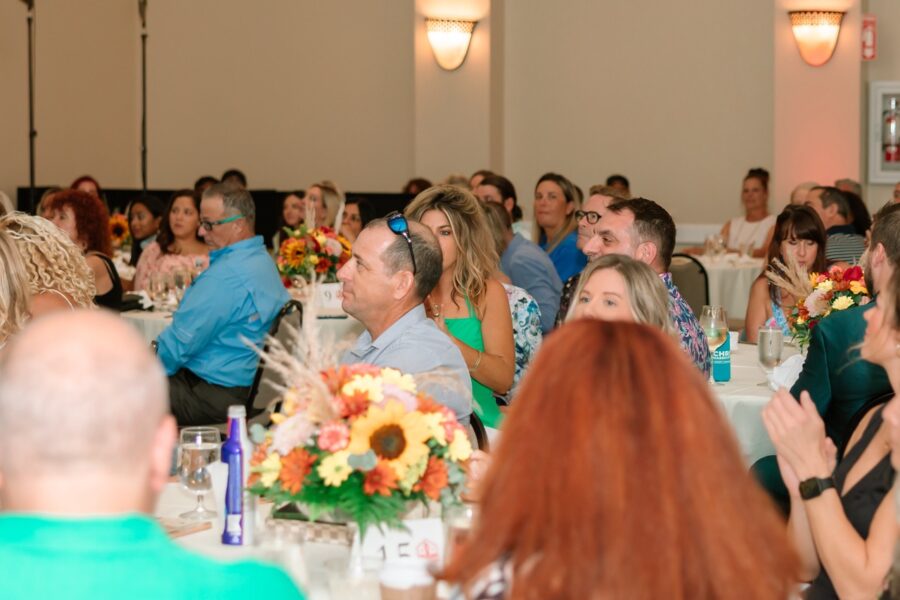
85	449
645	231
385	283
843	243
235	300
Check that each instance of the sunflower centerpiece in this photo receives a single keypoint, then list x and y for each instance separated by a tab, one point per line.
119	233
310	254
363	442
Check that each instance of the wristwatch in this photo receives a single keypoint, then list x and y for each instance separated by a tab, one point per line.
814	486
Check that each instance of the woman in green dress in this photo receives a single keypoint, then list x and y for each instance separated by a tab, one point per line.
468	304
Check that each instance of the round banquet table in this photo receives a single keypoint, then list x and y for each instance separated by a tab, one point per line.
305	564
151	323
742	400
730	278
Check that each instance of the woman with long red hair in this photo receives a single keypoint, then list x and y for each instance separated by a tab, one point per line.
618	477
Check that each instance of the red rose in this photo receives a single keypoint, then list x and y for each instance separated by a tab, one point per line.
854	273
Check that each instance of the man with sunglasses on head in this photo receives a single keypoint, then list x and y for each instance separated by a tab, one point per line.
204	350
395	265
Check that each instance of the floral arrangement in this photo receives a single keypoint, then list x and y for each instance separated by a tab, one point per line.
311	254
360	441
119	232
818	295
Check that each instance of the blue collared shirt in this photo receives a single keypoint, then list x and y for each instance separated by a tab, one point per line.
237	297
531	269
566	257
414	345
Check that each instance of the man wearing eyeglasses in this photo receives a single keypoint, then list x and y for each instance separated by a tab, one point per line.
204	351
600	196
395	265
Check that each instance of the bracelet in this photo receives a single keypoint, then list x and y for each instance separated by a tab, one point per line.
477	361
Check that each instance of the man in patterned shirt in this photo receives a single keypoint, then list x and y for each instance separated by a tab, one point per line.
643	230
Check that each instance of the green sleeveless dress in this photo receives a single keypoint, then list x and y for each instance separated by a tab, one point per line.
468	331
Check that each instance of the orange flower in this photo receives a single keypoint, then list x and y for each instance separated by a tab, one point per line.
259	455
352	406
380	480
294	469
434	479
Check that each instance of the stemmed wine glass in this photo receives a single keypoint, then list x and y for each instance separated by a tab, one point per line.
199	449
715	328
181	279
159	290
769	345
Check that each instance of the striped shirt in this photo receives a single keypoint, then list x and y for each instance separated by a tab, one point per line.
843	244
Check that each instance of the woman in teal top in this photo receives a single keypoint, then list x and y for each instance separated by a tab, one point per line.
467	303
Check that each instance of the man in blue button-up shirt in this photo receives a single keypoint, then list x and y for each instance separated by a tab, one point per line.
204	350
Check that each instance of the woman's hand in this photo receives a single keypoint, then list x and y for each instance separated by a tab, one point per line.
798	433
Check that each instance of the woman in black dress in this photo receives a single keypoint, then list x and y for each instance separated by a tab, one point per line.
843	516
85	219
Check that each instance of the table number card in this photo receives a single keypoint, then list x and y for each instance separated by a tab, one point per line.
423	541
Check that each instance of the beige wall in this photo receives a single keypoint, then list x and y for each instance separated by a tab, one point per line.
87	94
672	94
817	109
886	67
293	91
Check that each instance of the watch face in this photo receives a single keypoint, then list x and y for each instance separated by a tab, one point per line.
813	487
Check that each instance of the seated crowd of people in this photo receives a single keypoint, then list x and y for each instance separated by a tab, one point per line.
565	336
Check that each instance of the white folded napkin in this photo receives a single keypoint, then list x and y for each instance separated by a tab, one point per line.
146	302
787	373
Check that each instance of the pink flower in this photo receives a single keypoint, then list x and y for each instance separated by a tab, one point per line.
333	436
391	392
292	433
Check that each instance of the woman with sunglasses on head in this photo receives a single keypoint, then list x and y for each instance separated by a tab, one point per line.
177	245
468	303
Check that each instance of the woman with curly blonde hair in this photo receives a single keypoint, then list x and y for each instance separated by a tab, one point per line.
468	304
57	273
13	289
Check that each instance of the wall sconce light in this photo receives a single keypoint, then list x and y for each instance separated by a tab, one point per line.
816	33
449	39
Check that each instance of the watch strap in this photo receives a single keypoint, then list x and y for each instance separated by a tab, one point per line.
814	486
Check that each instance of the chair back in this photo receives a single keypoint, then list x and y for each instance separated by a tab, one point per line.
257	399
480	433
691	279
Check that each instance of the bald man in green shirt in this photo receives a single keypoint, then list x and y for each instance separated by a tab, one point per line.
85	448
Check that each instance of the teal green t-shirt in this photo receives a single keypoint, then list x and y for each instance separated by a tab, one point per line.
120	557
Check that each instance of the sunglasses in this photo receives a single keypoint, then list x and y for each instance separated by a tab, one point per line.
397	223
591	216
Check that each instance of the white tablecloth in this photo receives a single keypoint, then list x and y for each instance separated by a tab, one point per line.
152	323
730	279
743	399
307	568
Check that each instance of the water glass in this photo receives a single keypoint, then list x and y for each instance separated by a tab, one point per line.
769	345
199	448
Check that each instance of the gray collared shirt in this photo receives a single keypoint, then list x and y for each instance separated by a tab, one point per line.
415	345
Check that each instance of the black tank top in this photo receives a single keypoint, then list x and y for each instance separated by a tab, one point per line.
861	502
113	298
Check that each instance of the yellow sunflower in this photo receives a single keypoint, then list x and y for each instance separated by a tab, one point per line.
396	436
293	251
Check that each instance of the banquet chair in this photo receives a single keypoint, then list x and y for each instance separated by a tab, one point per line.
259	399
476	429
691	279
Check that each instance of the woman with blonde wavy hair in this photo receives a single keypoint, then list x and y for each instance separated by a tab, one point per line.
57	273
619	288
468	304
